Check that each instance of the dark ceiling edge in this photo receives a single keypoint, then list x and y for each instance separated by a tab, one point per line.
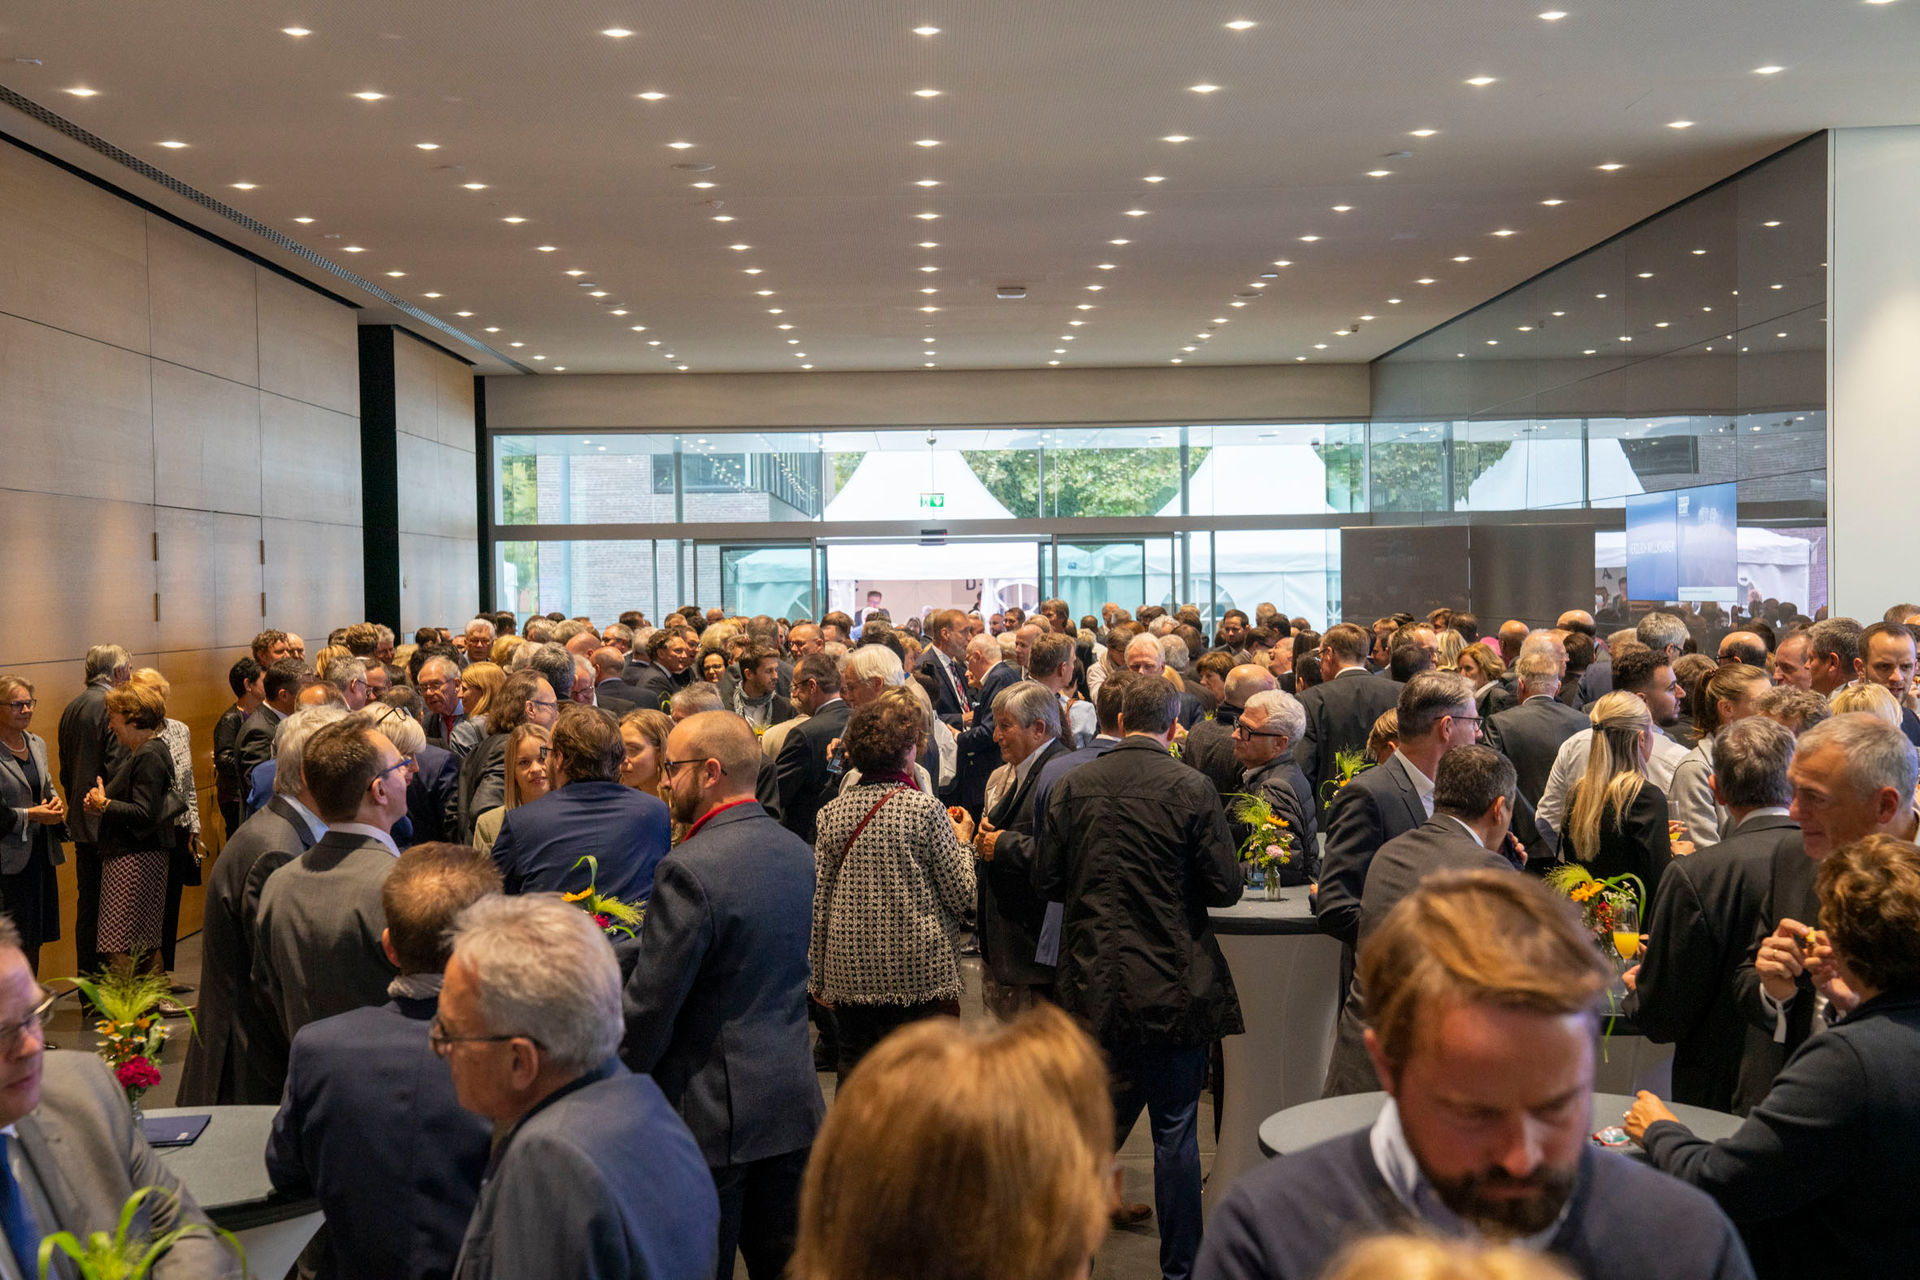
1702	193
127	160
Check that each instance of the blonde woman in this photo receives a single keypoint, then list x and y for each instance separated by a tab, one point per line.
502	651
1426	1258
1617	817
643	733
527	780
963	1150
1452	645
478	685
1870	698
183	855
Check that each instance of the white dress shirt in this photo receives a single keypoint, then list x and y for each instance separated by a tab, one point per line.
1409	1184
371	833
1421	782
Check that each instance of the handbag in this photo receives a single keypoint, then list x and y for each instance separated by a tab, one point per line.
847	848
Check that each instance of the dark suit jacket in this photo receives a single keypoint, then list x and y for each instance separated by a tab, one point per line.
717	1004
433	796
602	1181
616	695
1209	748
627	830
1011	913
1379	804
1439	844
255	742
1530	735
1340	715
978	754
1703	920
950	695
1056	768
1635	841
239	1051
371	1128
137	794
801	770
317	944
1193	709
1820	1177
230	785
653	687
1789	896
89	1156
1281	785
87	752
483	781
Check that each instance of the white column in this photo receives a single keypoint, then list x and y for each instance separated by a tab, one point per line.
1873	369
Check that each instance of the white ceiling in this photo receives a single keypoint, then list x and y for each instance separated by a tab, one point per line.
1049	118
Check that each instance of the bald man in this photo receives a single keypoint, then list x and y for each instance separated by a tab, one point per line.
1513	634
1743	648
1210	743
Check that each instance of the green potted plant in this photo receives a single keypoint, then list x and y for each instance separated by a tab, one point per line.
125	1254
1269	843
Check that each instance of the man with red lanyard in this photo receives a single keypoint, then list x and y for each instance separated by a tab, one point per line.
716	1008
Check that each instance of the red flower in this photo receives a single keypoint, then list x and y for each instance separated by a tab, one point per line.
137	1073
603	921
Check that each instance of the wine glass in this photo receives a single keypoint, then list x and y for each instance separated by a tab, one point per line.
1626	930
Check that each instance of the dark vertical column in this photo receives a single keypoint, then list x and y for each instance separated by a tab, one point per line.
483	479
380	474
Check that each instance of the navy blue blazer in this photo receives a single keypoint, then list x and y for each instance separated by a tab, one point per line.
1379	804
601	1181
433	795
627	830
371	1128
717	1005
978	755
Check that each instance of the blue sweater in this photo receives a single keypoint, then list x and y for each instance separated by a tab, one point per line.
1288	1218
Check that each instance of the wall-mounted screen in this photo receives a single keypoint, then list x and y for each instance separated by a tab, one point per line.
1683	544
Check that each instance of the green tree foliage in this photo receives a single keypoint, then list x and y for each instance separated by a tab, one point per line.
1083	482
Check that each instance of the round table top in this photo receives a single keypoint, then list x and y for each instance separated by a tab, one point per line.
1254	913
226	1166
1285	1133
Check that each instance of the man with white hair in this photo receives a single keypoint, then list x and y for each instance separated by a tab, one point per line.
477	640
1210	744
593	1176
1146	657
1263	735
1026	719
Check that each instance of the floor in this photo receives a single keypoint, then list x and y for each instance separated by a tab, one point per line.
1129	1254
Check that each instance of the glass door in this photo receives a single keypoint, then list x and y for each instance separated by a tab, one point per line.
1129	572
779	579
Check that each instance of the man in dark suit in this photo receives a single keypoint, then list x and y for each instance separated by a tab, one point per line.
946	650
247	680
807	778
89	752
610	688
588	813
1886	659
1026	725
716	1008
282	685
317	949
1266	728
977	754
1145	657
1209	745
369	1124
1437	714
1341	709
594	1176
1472	805
668	669
238	1054
79	1154
1705	916
1531	735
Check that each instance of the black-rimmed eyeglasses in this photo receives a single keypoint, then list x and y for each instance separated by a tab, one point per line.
441	1043
12	1033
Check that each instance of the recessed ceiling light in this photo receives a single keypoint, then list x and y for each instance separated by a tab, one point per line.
1428	280
1059	351
702	186
1679	124
776	311
929	268
1084	306
1219	320
1551	203
1646	275
547	248
1393	302
752	271
1053	362
598	293
1480	82
929	244
576	272
1699	253
1770	224
738	248
1076	323
1553	15
1236	304
303	220
1095	288
926	339
926	93
929	309
1241	24
638	328
1343	208
1610	167
369	95
173	145
474	186
1176	137
651	95
926	217
1319	346
1422	133
1282	262
295	31
1066	337
516	219
1309	239
493	328
243	186
1366	317
765	293
926	31
539	357
396	274
427	146
1204	88
516	344
1119	242
1660	324
1106	266
723	217
1258	284
1189	348
1768	71
680	146
618	33
793	342
1379	173
927	182
927	142
1504	232
464	315
1136	213
81	91
653	342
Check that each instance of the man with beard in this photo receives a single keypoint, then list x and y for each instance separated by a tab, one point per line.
1482	994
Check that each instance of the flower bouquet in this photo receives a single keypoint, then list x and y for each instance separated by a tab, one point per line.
612	915
1611	909
1269	844
1347	766
117	1257
131	1029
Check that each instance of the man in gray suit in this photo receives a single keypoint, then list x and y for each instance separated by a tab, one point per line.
593	1176
1472	808
70	1154
716	1009
317	948
239	1053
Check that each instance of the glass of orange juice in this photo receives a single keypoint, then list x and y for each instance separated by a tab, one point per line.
1626	931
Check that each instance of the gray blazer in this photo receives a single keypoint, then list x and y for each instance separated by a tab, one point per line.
17	846
317	938
88	1157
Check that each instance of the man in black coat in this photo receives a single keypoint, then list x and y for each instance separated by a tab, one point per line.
1138	850
1209	744
1531	735
976	753
610	689
1026	720
668	669
803	771
716	1007
1705	916
1472	805
282	685
1341	709
1266	728
89	752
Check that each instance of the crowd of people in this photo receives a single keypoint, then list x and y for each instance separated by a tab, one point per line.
413	944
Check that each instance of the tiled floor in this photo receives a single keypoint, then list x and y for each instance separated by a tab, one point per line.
1131	1254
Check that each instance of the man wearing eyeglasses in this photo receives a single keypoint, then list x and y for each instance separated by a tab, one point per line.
70	1154
1263	735
593	1176
320	918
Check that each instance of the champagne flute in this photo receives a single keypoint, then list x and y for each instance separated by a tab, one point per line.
1626	931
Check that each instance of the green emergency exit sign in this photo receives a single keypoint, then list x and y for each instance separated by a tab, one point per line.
929	501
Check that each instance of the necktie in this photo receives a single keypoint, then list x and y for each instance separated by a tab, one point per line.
16	1219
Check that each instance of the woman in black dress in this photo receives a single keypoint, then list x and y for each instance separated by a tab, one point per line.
1617	820
137	813
31	818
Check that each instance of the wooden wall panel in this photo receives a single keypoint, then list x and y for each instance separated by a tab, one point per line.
202	302
309	461
76	415
71	255
210	579
206	441
80	573
308	346
315	577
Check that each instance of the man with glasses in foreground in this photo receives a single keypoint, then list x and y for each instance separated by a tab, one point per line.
593	1176
70	1154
